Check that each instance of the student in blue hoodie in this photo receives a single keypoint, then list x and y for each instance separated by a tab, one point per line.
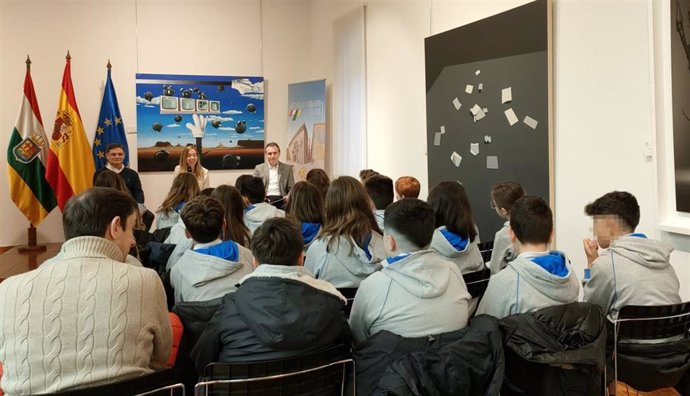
537	278
305	208
456	236
631	269
211	268
380	190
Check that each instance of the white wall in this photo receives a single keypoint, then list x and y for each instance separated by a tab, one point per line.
249	37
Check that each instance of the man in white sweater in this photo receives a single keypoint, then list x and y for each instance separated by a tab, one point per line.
89	319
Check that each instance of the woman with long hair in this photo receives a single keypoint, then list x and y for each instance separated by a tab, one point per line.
350	245
456	236
319	178
189	162
184	188
233	203
305	207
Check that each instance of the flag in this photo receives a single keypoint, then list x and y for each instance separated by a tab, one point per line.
110	127
26	158
70	164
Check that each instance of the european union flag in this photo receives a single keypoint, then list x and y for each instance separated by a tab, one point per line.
110	127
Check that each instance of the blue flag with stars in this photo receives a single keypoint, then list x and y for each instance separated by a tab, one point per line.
110	127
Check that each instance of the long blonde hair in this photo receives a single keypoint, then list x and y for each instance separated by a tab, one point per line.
198	173
184	188
348	212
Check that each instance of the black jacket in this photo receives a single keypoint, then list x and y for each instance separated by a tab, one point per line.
559	350
464	362
271	318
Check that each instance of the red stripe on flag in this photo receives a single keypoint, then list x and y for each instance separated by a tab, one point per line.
69	90
30	94
57	179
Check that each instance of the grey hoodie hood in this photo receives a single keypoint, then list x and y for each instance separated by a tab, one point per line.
558	288
256	214
646	252
208	268
412	273
444	247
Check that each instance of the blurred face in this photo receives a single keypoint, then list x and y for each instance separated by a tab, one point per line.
123	237
115	157
272	155
603	230
192	157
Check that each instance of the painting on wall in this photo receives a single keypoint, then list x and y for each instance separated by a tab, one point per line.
488	107
680	75
170	106
306	147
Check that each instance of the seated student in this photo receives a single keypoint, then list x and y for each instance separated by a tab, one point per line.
279	310
320	179
232	201
88	319
184	188
407	187
211	268
456	237
503	196
380	190
258	211
417	293
305	207
537	278
632	269
349	247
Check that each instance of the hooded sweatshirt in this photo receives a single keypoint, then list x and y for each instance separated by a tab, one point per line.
532	281
210	272
634	270
256	214
309	233
503	251
278	312
344	264
414	295
458	250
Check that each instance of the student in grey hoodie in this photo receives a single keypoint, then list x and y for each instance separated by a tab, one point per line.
417	293
632	269
503	196
537	278
349	247
211	268
456	236
257	211
305	208
380	190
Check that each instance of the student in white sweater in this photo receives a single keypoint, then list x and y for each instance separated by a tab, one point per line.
90	318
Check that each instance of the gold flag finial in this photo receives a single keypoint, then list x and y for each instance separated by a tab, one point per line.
109	66
68	57
28	63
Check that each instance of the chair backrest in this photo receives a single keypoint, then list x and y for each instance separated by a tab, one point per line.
477	282
485	248
129	386
349	294
651	322
319	373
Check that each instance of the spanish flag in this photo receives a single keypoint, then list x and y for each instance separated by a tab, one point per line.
70	164
26	158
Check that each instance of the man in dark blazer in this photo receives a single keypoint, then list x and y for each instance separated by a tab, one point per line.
277	176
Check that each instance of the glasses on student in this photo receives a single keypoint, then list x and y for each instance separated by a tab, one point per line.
492	205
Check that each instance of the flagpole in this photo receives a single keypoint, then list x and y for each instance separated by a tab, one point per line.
32	246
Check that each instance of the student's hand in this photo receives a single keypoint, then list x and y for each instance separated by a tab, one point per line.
591	250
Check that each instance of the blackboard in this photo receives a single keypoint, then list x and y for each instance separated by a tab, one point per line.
508	50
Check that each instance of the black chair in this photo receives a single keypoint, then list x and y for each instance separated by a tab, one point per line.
646	365
130	386
349	294
477	282
320	373
485	248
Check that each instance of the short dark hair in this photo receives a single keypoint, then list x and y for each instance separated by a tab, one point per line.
253	188
411	218
277	241
240	179
90	213
380	189
272	144
203	217
112	146
452	207
531	220
616	203
367	173
505	194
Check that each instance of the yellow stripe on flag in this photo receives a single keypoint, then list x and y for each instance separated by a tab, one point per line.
24	198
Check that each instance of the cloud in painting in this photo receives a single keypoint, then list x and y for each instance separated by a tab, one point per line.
244	86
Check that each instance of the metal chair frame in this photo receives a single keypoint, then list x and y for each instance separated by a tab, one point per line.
171	388
343	362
